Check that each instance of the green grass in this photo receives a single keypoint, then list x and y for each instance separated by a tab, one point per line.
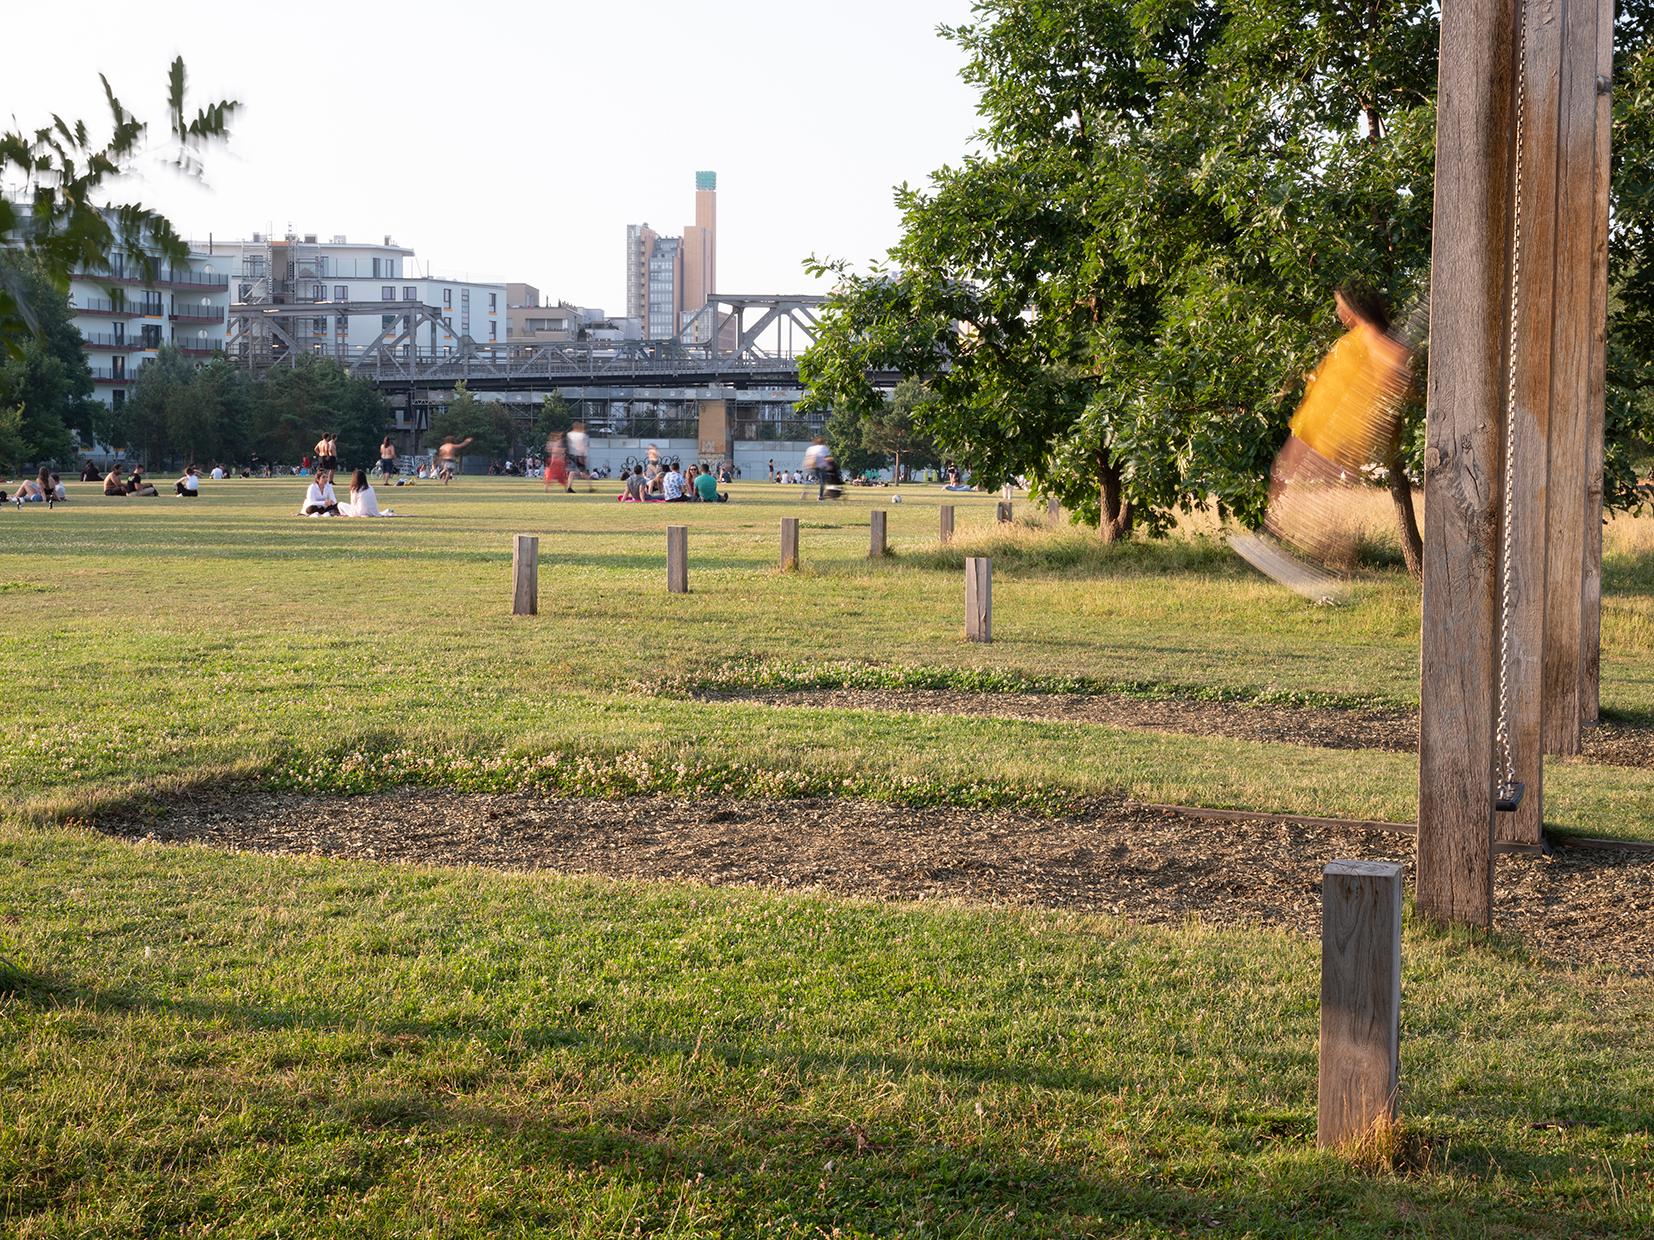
158	639
225	1044
200	1043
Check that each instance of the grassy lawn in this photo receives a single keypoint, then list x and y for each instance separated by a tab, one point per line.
159	638
234	1045
204	1043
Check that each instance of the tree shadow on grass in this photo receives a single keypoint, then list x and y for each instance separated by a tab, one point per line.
818	1163
797	1156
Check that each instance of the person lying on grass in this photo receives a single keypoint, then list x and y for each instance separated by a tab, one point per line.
319	499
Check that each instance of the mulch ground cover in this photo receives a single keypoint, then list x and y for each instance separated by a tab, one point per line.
1147	866
1395	730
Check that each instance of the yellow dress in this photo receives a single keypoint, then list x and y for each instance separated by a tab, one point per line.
1348	412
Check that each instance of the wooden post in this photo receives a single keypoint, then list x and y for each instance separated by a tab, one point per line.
677	559
525	575
876	539
1002	512
979	599
1571	346
789	544
1528	469
945	523
1053	510
1590	665
1463	460
1360	999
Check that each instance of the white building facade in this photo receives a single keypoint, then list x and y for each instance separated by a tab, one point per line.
125	317
359	291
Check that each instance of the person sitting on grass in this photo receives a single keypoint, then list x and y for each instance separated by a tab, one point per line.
706	488
189	486
137	484
637	488
113	483
319	499
89	471
363	502
34	490
672	486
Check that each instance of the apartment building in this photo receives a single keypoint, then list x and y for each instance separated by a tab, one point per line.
668	279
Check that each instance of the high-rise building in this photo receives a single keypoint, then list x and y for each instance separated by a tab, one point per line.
668	279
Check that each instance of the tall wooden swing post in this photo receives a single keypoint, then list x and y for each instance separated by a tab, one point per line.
1514	348
1463	459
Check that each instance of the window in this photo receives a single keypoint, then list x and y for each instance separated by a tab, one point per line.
491	327
152	335
378	269
341	292
447	298
120	332
321	326
387	292
246	292
385	322
409	293
117	367
493	301
318	292
117	398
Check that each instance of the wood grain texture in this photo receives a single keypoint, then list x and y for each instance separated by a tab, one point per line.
677	559
1469	284
1002	512
944	523
1572	345
1590	634
979	599
877	523
1527	470
789	544
1053	511
525	575
1360	999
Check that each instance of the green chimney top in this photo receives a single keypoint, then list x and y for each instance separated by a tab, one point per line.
706	180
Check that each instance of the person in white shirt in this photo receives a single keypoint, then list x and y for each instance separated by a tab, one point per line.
218	473
363	502
671	485
319	499
815	456
189	486
578	445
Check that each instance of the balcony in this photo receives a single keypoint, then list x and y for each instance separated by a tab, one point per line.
109	376
194	281
198	314
199	349
102	306
99	340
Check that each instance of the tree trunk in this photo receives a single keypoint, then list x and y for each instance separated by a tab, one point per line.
1115	515
1407	522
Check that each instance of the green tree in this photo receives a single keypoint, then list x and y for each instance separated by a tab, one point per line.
181	412
893	429
291	407
61	219
47	375
1121	295
484	422
11	439
556	417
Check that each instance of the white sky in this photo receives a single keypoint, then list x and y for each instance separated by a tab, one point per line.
515	141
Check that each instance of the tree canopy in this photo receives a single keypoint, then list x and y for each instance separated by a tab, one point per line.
1119	294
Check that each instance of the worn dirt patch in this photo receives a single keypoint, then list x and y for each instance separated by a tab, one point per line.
1147	866
1318	727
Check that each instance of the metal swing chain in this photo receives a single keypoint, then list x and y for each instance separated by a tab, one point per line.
1507	758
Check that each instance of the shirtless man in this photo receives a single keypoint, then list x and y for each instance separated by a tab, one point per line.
447	457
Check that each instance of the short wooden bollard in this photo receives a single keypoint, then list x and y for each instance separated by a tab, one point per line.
1053	510
789	544
1003	510
979	599
876	539
944	531
1360	999
525	575
677	559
